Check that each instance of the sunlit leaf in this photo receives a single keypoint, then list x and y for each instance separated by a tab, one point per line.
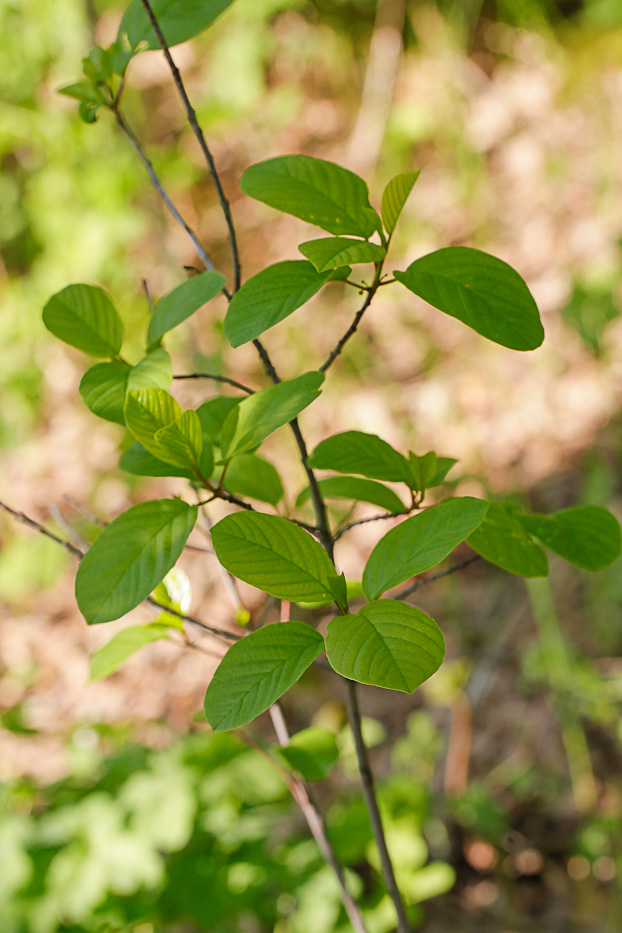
146	412
84	317
181	442
182	302
388	644
334	252
394	198
103	389
258	670
481	291
155	371
109	658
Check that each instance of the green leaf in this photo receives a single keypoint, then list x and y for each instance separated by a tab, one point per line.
312	753
356	452
155	371
270	297
83	91
259	415
587	536
250	475
394	198
182	302
179	20
131	556
421	542
103	389
334	252
140	462
84	317
146	412
502	540
258	670
388	644
481	291
352	487
109	658
314	190
181	442
443	466
274	555
213	414
423	470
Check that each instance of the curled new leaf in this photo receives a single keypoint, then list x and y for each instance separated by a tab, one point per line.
258	670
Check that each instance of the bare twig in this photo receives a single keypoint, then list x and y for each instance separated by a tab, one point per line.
423	581
337	349
198	132
367	780
215	378
372	518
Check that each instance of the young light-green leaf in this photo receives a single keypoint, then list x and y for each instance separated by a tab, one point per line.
179	20
103	388
587	536
258	670
480	290
259	415
503	540
388	644
109	658
269	297
275	555
394	198
353	487
420	543
252	476
182	302
317	191
155	371
84	317
146	412
357	452
311	752
333	252
131	556
181	442
140	462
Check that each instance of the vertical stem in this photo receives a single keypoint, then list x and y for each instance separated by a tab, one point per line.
198	132
369	789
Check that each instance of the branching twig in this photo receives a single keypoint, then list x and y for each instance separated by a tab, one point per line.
334	353
372	518
423	581
198	132
215	378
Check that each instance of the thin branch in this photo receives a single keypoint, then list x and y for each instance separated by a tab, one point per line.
198	132
41	529
215	378
367	780
337	349
372	518
430	578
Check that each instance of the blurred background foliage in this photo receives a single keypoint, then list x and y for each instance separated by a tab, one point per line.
500	780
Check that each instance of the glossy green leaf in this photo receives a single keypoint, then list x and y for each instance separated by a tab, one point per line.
333	252
357	452
312	753
258	670
481	291
182	302
131	556
155	371
181	442
259	415
314	190
109	658
388	644
84	317
270	297
273	554
353	487
394	198
140	462
420	543
179	20
213	414
503	540
146	412
252	476
103	389
587	536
